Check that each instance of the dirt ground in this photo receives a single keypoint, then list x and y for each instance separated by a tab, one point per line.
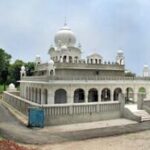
135	141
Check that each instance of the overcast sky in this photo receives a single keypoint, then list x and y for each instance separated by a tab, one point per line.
27	28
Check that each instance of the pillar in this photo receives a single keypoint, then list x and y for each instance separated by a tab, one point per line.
122	103
111	95
86	96
99	95
51	95
42	96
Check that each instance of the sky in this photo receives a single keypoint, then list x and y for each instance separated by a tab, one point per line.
27	28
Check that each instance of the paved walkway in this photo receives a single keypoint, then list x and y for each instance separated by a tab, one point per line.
13	129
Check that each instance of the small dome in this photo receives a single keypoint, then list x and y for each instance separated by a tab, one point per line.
37	56
65	37
23	68
11	86
146	66
64	48
51	62
120	51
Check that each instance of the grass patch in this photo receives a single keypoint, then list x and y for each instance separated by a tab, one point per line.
1	88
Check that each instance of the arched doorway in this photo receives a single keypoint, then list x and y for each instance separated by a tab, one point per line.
70	59
79	96
65	59
60	96
93	95
117	91
142	91
129	95
106	95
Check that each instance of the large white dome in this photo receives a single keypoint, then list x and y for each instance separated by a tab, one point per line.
65	37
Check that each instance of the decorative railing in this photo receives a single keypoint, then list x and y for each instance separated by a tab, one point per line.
22	105
18	103
74	109
86	78
146	102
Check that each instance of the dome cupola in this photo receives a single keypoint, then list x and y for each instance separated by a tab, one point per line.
65	37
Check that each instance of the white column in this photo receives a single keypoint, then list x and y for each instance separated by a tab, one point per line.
86	96
112	93
42	96
51	95
99	95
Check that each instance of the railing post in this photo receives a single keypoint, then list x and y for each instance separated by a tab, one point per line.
122	103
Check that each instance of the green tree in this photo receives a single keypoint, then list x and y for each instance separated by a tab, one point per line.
30	68
14	72
4	65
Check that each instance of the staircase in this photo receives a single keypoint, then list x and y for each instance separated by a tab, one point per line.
145	116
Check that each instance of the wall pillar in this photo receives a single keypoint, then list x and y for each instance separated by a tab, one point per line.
42	96
86	96
112	95
99	95
51	95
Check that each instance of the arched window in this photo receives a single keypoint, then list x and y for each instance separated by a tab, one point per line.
65	59
39	96
70	59
45	96
106	95
76	59
51	72
93	95
117	91
36	95
142	91
96	62
60	96
79	96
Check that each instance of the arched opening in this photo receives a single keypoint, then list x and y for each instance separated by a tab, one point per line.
93	95
106	95
100	61
70	59
65	59
91	61
33	94
45	96
96	62
39	96
129	95
60	96
76	59
142	91
117	91
51	73
79	96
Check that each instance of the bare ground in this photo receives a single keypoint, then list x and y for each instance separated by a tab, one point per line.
133	141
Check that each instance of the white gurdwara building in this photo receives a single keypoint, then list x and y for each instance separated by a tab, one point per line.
72	89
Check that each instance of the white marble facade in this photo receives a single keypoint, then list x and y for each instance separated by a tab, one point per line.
68	78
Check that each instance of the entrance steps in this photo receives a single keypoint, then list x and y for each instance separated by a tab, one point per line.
145	116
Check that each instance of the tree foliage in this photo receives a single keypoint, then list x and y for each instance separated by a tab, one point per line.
4	65
10	73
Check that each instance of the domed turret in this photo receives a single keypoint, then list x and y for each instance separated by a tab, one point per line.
51	62
65	37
